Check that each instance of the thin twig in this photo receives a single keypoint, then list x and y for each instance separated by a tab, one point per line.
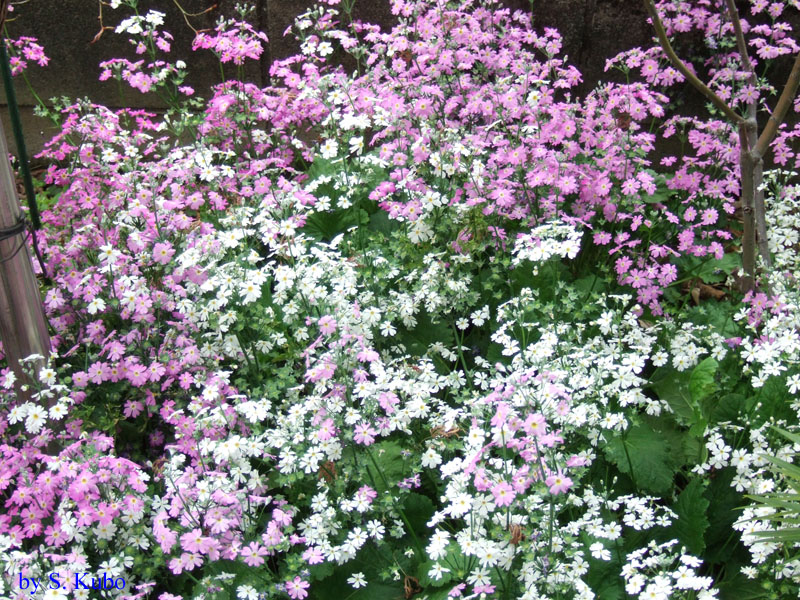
781	108
741	44
186	15
684	70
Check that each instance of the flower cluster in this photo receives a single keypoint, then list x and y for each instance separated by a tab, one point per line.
402	328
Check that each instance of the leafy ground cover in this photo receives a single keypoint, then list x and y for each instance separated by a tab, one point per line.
433	328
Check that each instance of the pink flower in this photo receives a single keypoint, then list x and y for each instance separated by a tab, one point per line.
535	425
137	374
601	238
457	591
162	252
364	434
326	430
558	483
327	324
296	588
481	482
80	379
192	541
313	556
630	187
503	494
388	401
576	461
252	554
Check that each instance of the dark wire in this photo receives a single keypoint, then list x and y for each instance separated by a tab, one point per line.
22	226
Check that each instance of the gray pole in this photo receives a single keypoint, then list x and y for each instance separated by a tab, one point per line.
23	328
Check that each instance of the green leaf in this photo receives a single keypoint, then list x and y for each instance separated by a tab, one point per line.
321	571
792	437
685	392
647	452
724	509
786	468
381	222
603	577
728	408
701	381
425	333
711	270
418	510
327	225
390	465
692	522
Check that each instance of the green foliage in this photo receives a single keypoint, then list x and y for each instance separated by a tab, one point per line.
785	506
644	454
692	522
688	393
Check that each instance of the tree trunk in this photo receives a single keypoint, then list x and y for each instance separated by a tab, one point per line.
23	327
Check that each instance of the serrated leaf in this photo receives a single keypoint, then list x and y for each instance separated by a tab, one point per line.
701	382
327	225
647	452
692	522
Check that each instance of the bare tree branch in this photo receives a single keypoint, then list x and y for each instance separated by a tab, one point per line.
781	108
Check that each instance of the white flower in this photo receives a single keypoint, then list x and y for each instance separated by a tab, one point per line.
793	383
246	592
16	414
250	292
460	505
9	379
599	551
155	18
660	358
36	419
357	145
105	532
357	580
55	593
130	25
329	149
58	411
95	306
47	375
437	571
325	49
208	173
